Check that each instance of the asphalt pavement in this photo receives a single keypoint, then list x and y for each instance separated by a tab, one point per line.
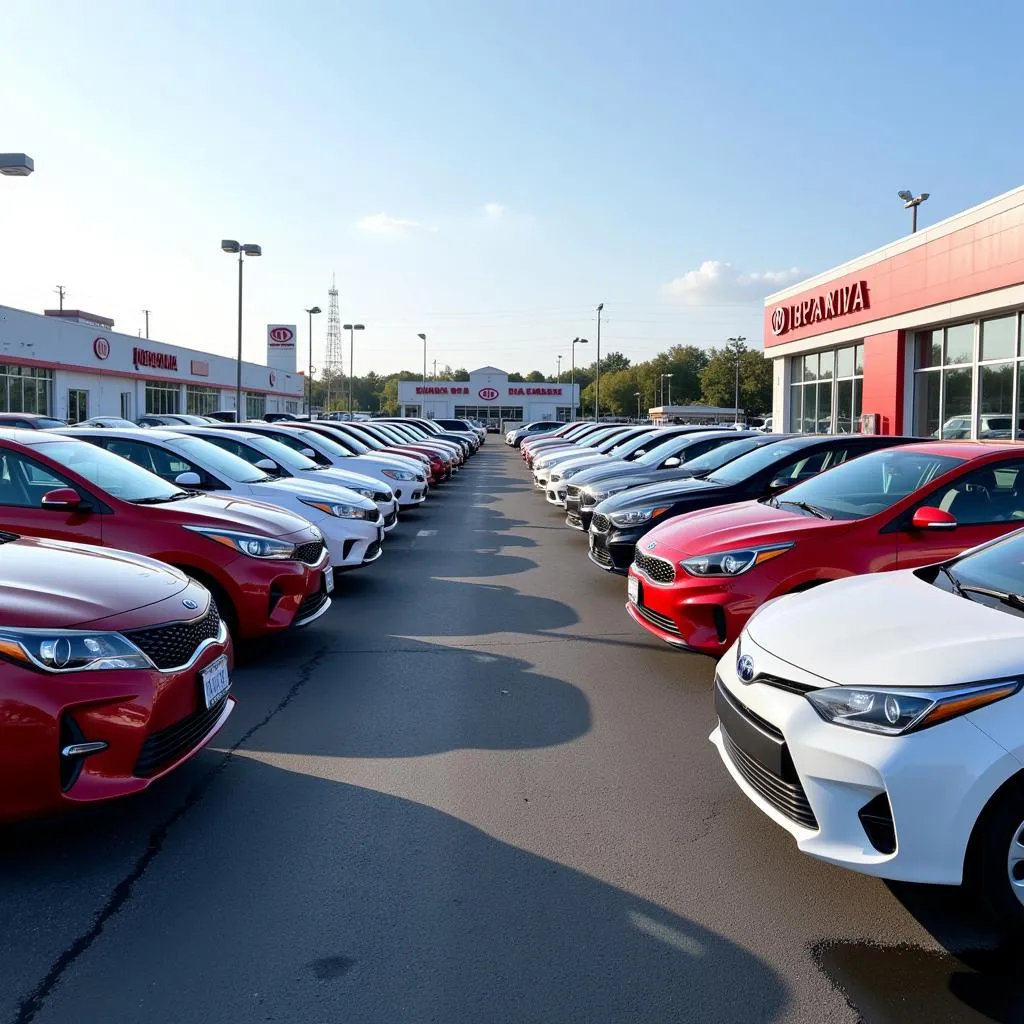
473	791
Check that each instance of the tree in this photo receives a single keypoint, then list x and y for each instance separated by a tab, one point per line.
613	362
718	379
535	377
515	378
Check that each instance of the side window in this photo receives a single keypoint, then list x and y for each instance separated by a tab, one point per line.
803	467
985	495
694	451
133	451
24	482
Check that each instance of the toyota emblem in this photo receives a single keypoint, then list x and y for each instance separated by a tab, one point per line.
779	320
745	668
190	604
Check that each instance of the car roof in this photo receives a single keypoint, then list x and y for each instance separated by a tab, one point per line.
142	433
967	449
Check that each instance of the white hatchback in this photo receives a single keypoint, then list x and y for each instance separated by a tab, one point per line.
880	720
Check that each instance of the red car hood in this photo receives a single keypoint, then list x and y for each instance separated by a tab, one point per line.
232	513
734	526
49	583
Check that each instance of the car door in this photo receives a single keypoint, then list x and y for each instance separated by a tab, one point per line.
986	503
23	482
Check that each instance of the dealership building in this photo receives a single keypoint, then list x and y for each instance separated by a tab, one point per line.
73	365
922	336
487	396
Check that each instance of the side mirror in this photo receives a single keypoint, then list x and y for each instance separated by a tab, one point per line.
780	483
671	463
639	452
308	452
66	498
188	480
928	518
267	465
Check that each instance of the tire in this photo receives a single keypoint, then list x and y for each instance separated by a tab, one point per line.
996	854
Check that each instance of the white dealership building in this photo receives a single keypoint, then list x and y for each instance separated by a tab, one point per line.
488	396
72	365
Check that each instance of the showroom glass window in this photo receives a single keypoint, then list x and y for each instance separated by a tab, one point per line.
255	406
78	405
826	390
162	398
968	379
200	400
26	389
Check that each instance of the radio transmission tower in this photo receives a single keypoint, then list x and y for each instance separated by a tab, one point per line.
334	365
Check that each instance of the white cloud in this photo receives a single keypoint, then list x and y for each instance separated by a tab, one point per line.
717	282
494	211
382	224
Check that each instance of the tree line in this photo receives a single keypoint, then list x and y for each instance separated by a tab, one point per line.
691	374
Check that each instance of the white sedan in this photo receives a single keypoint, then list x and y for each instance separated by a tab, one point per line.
350	523
880	720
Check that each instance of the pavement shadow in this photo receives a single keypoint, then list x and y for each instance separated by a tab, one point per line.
285	895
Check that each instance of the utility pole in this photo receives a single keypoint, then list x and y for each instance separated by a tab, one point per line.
597	377
60	294
147	312
737	352
558	373
433	376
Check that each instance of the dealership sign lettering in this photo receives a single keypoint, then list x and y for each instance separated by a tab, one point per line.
535	391
487	394
154	360
850	298
442	391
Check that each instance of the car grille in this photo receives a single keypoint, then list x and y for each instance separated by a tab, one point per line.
168	745
390	518
786	795
175	644
311	604
600	523
659	570
601	556
381	496
572	504
663	622
310	553
587	500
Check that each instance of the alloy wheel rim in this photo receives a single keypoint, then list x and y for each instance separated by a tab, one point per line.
1015	862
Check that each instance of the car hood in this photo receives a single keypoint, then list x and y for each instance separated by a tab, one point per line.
279	490
375	463
906	633
581	462
665	491
49	583
616	473
737	526
232	513
335	475
564	455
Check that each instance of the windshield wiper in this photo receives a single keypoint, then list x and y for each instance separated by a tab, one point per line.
807	507
157	500
1012	600
953	582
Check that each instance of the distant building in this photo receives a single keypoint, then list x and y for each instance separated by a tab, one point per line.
694	414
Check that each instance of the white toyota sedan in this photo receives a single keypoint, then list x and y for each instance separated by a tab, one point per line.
880	720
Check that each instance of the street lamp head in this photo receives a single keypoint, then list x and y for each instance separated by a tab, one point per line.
252	250
923	196
359	327
16	165
581	341
422	337
347	327
315	309
636	394
906	195
600	307
230	245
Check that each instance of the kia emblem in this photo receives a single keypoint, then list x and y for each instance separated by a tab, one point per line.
488	394
101	348
190	604
779	320
652	545
745	668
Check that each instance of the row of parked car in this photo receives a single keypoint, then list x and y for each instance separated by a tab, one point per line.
865	598
131	560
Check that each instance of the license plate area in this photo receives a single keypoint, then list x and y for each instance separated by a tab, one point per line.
215	680
329	577
758	744
633	589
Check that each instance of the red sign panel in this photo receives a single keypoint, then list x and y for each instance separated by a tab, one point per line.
488	394
850	298
200	368
555	392
154	360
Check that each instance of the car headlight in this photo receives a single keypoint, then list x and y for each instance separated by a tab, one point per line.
606	492
69	650
340	509
364	492
251	544
637	515
733	563
894	712
398	474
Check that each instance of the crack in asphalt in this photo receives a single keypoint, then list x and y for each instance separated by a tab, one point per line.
31	1005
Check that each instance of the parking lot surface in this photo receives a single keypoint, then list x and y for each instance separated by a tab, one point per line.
473	791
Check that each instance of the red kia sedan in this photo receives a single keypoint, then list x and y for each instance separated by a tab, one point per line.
696	579
114	670
267	568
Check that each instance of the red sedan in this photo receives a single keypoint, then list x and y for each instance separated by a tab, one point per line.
698	578
267	568
114	669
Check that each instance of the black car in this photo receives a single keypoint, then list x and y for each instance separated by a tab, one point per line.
29	421
593	485
621	520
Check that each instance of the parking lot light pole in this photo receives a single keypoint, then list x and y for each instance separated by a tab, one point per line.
912	202
637	393
423	399
737	352
229	245
351	356
664	377
309	401
597	376
572	375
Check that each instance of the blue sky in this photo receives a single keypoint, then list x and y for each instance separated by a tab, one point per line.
486	172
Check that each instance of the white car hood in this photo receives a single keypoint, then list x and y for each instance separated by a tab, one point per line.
271	489
890	629
379	462
580	461
336	475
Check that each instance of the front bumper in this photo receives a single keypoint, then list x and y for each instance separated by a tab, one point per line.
410	493
613	551
932	784
349	541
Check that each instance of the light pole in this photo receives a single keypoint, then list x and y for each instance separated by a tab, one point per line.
351	355
423	397
737	352
229	245
558	372
597	377
572	376
912	202
16	165
664	377
637	393
309	401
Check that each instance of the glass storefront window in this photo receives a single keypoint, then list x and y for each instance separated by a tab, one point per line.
78	405
926	400
200	400
811	367
997	338
959	344
796	408
823	423
995	401
957	400
255	406
929	349
844	405
824	391
162	398
844	362
26	389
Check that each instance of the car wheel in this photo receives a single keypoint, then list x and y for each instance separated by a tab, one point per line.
995	863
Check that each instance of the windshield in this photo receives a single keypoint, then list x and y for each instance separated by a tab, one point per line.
217	461
871	483
111	473
268	448
718	457
997	567
748	465
342	439
368	438
669	448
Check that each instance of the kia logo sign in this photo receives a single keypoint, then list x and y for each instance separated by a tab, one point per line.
488	394
273	379
778	319
282	335
101	348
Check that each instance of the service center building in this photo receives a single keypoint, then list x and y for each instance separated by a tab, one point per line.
73	365
487	396
920	337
